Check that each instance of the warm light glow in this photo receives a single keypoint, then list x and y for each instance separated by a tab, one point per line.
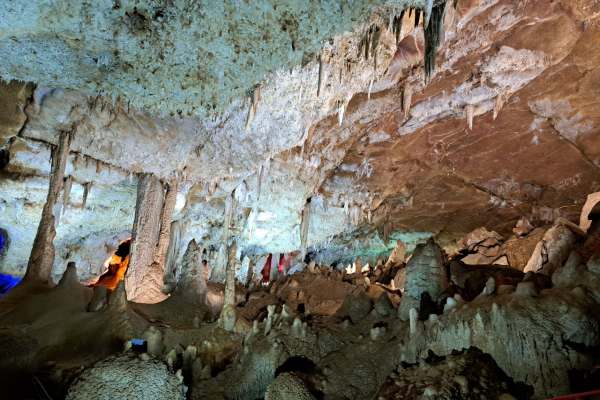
114	268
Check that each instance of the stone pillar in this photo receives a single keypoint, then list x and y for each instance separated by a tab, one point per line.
144	279
41	260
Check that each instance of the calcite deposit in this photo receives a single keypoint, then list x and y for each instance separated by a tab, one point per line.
373	199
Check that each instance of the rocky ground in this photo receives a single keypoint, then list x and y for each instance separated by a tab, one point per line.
464	332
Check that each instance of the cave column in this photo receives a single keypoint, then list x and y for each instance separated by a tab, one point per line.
41	260
144	279
228	316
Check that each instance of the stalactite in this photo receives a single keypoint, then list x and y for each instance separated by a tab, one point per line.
433	35
98	166
498	104
406	99
321	71
427	11
304	226
397	29
367	44
41	260
341	110
87	187
230	204
66	192
375	36
253	106
470	113
370	88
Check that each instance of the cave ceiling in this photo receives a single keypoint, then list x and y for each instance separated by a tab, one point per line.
220	94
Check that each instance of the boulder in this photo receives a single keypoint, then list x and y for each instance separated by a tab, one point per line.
127	376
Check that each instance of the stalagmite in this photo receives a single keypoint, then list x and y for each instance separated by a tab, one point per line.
274	267
192	282
39	267
228	315
219	266
470	113
406	99
66	192
304	226
143	282
425	273
412	317
245	273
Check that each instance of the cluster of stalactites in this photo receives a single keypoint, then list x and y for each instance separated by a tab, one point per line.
369	43
432	17
433	33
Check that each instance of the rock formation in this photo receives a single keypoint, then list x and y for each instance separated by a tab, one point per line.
425	273
144	279
41	260
339	200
